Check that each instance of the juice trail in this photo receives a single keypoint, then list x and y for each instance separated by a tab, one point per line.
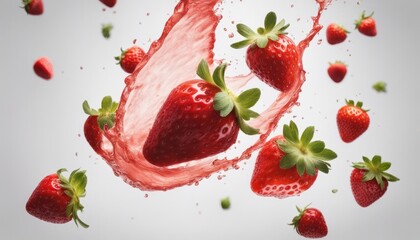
188	37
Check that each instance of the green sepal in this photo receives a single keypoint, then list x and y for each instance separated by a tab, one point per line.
296	219
106	30
380	86
120	57
270	31
105	114
358	105
225	203
307	156
362	17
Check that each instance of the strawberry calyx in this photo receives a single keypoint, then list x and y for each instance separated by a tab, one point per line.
296	219
225	101
75	188
121	57
105	114
375	169
358	105
307	156
270	31
362	17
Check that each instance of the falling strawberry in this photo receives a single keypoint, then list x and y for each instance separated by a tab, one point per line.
336	34
129	58
366	25
369	181
272	56
98	121
199	118
310	223
57	200
33	7
109	3
287	166
44	68
352	121
337	71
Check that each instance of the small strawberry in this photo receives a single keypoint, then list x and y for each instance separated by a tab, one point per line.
106	30
44	68
337	71
57	200
336	34
109	3
310	223
98	121
366	25
272	56
352	121
369	181
199	118
129	58
287	166
33	7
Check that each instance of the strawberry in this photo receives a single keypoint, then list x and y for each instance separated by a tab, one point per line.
337	71
352	121
310	223
33	7
287	166
272	56
98	121
199	119
57	200
336	34
109	3
366	25
129	58
369	181
43	68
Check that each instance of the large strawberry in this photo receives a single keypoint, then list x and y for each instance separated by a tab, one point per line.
352	121
98	121
337	71
33	7
310	223
336	34
271	56
56	199
43	68
369	181
288	165
129	58
366	25
109	3
199	118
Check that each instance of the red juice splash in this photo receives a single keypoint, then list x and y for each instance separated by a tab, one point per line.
188	37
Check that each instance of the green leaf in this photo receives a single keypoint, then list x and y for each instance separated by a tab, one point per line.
203	71
219	76
316	146
88	110
287	161
106	103
390	177
279	26
368	176
300	166
322	166
247	129
294	131
106	121
242	44
326	155
249	97
273	37
376	161
223	103
245	31
307	136
247	114
262	42
384	166
310	167
270	21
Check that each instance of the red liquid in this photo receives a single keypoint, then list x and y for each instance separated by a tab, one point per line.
188	37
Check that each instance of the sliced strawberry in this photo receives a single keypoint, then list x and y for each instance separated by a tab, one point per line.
369	181
287	166
43	68
33	7
366	25
130	58
352	121
310	223
337	71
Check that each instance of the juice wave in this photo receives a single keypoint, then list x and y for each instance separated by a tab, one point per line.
188	37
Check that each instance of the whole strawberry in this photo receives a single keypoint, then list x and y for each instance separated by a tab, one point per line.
33	7
369	181
44	68
272	56
288	165
336	34
199	118
310	223
129	58
366	25
57	200
337	71
352	121
109	3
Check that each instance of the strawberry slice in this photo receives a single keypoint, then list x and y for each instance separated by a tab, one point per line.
288	165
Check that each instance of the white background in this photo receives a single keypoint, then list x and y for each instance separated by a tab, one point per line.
41	122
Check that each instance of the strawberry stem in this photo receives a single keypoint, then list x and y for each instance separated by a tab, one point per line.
106	114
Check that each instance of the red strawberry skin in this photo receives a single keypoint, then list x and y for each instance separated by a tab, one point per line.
109	3
312	224
368	27
270	180
335	34
131	58
187	127
44	68
337	71
277	64
48	202
93	133
34	7
352	122
367	192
